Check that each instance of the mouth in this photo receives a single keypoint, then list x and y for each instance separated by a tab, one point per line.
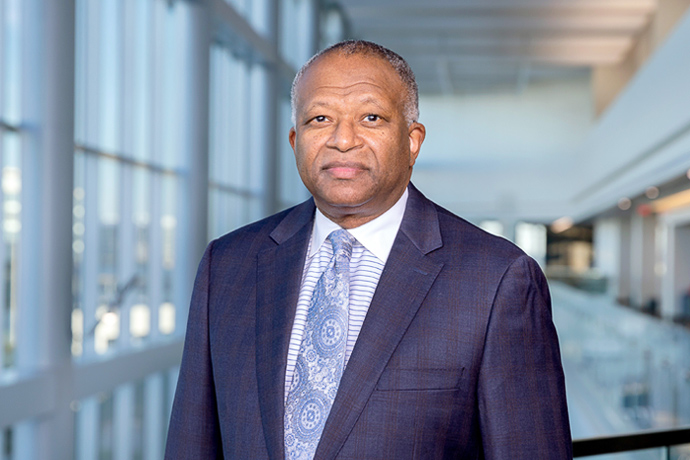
343	170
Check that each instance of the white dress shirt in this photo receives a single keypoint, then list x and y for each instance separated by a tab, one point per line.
369	255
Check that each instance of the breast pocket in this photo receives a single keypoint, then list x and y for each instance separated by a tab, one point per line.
420	379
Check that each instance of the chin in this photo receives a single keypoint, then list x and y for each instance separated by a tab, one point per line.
340	201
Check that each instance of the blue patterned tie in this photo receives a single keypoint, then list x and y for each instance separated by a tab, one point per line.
321	357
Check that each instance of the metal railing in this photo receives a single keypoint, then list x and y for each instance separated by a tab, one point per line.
624	443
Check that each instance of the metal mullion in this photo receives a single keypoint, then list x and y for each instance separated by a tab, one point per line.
246	107
91	250
80	71
214	106
2	86
92	70
87	430
225	119
127	78
155	296
155	267
126	266
185	257
153	417
123	416
259	152
214	145
25	435
157	76
2	262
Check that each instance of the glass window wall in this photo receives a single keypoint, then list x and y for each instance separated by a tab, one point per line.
129	172
11	16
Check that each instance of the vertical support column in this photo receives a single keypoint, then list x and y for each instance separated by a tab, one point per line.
123	418
642	286
87	425
623	294
607	249
677	277
153	417
315	23
668	261
195	203
46	274
271	113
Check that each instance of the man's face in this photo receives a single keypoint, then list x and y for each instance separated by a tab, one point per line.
353	147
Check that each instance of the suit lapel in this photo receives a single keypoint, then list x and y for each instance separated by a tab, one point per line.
405	282
279	272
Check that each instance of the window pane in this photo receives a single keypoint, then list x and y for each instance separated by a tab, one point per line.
9	252
129	422
10	61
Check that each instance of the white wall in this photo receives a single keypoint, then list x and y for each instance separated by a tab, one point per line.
498	154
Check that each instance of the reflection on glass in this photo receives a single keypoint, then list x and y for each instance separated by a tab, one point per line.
78	247
10	67
166	318
129	422
625	370
111	293
105	427
680	452
129	75
140	312
6	450
168	225
139	320
9	252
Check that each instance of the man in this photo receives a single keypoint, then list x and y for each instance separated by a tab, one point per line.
410	334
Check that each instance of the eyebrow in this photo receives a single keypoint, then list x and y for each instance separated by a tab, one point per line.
365	100
373	101
317	104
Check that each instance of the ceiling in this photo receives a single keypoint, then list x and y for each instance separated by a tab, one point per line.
469	46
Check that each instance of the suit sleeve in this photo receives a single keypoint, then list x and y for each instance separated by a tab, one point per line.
522	402
194	431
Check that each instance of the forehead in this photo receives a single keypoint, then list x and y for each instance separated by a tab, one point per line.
344	75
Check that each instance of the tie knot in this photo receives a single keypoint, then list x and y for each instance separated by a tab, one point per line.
342	243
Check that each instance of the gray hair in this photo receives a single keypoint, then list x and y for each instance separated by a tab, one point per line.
363	47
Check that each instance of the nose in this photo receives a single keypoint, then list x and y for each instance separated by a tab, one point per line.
344	136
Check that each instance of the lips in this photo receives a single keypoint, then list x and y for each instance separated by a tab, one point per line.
344	170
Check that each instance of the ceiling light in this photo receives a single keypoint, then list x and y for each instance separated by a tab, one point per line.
652	193
562	224
671	202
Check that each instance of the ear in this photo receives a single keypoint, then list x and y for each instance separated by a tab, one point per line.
417	133
292	136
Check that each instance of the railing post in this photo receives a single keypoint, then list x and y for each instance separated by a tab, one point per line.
666	453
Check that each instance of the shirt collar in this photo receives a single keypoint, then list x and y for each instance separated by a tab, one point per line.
377	235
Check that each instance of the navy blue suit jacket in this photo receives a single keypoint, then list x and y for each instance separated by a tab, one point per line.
457	357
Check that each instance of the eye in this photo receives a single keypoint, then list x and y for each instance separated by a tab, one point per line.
373	117
319	118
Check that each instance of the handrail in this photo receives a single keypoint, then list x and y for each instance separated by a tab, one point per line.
628	442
